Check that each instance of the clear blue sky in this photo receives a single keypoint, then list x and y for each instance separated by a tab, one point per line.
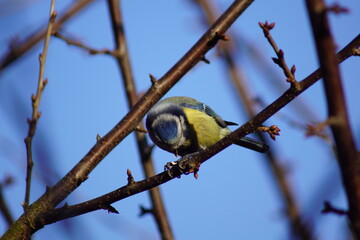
235	196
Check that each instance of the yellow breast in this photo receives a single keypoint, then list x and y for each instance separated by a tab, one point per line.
208	132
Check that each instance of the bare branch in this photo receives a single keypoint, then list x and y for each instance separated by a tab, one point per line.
4	208
280	60
24	226
188	162
35	105
30	222
329	208
123	60
348	157
78	44
279	172
270	110
18	49
144	211
337	9
318	130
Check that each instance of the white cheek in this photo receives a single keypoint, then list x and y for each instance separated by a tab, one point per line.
182	129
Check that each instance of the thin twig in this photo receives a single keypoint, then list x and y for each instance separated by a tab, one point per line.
18	49
299	226
123	60
260	62
280	60
91	50
4	207
296	123
154	181
329	208
348	157
318	130
244	92
35	105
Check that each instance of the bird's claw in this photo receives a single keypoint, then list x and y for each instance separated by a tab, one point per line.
168	166
185	166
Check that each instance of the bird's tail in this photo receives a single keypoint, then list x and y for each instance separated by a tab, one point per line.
252	144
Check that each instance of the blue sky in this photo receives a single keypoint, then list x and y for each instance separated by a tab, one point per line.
235	196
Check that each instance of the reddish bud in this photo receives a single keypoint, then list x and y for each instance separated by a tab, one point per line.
281	53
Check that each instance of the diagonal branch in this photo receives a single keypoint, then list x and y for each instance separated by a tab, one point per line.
78	44
25	225
4	207
123	60
348	157
136	187
19	49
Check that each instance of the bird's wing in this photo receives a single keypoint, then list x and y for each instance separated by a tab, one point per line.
194	104
208	110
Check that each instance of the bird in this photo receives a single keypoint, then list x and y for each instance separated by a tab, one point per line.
183	125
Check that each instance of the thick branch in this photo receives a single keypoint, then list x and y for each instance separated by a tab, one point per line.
123	60
348	157
25	225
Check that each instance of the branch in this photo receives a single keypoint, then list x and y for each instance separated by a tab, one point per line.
329	208
18	49
109	198
243	90
348	157
280	60
4	208
270	110
123	60
35	105
194	160
25	225
78	44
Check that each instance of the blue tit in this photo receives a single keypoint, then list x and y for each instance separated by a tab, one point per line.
183	125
